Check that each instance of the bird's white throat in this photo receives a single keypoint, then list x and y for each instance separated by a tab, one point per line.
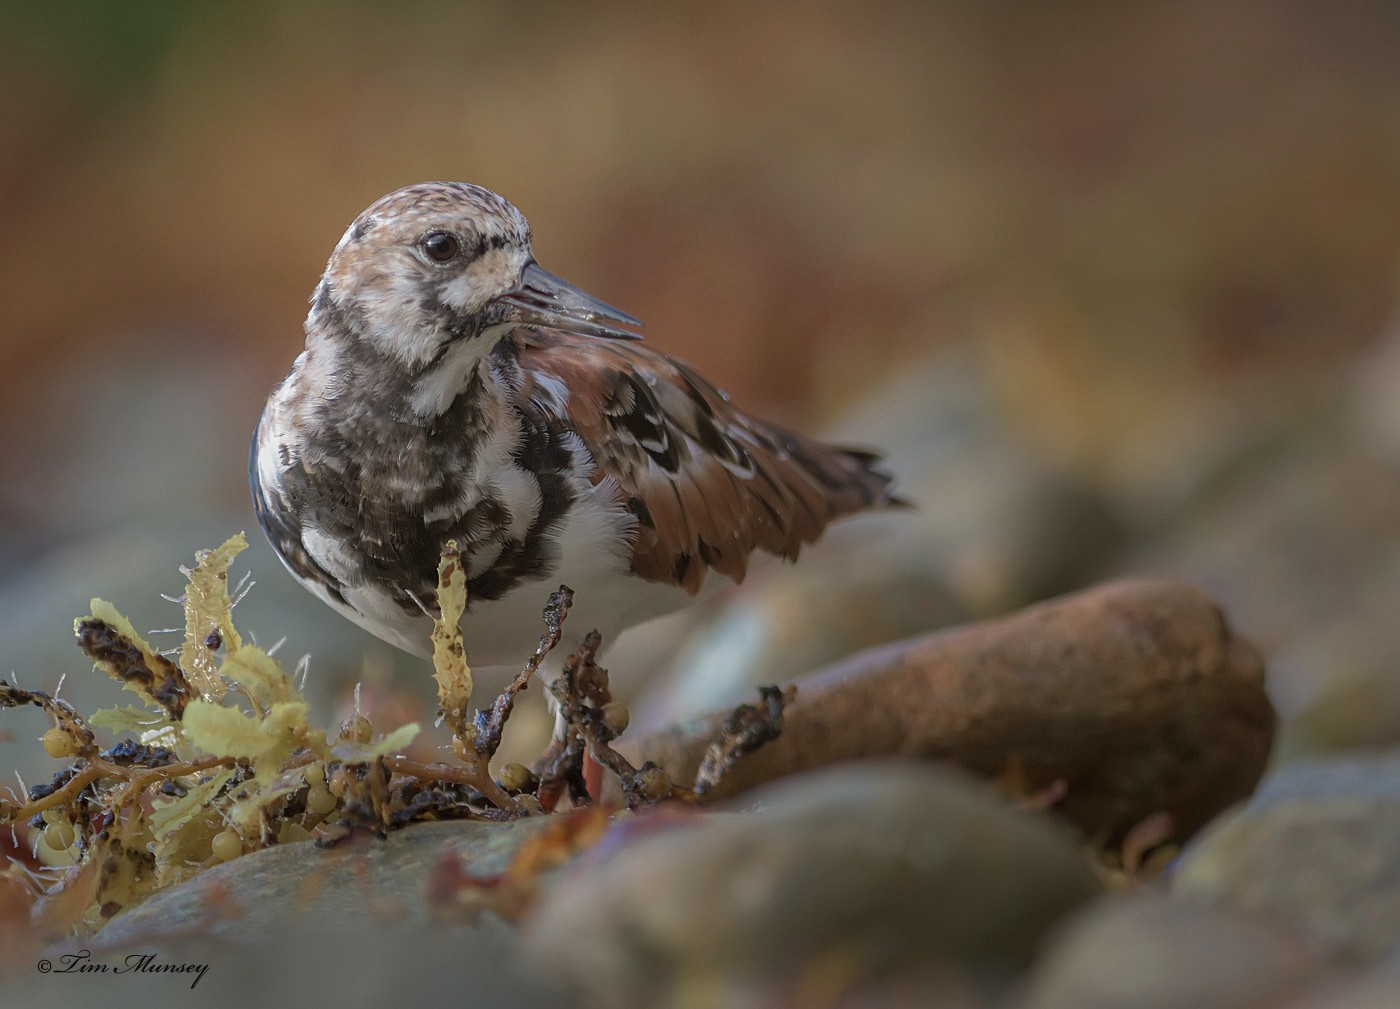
437	388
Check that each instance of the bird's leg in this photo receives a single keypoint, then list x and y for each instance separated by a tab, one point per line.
576	689
561	766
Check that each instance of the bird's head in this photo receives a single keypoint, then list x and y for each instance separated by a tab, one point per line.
437	264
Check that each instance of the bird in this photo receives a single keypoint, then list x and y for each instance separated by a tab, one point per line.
452	389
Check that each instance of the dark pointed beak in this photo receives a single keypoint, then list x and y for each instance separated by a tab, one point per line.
542	299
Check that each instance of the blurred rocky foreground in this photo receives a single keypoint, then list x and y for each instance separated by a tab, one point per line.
986	816
1006	804
1115	293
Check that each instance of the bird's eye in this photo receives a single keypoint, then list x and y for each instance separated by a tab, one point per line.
440	246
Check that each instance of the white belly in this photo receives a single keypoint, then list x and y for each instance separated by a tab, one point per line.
593	561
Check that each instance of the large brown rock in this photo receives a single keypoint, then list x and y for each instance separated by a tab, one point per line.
1136	695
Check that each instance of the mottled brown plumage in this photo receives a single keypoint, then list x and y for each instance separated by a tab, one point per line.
708	483
452	389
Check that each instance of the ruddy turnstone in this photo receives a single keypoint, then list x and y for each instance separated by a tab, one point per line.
452	389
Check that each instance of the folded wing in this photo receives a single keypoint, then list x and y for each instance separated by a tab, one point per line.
708	483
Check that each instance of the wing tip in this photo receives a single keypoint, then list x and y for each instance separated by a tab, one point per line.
875	483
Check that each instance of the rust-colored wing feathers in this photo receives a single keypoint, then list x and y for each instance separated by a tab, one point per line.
708	484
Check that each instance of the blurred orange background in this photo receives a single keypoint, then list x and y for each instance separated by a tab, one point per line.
1144	222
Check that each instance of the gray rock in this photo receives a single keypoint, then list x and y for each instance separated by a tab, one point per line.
1318	849
322	889
1380	990
1150	952
872	871
368	960
1300	543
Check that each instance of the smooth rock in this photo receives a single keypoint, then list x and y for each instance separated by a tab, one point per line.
322	888
870	871
1317	849
368	959
1136	695
1378	990
1148	951
1300	544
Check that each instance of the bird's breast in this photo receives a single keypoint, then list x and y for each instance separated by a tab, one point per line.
360	506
